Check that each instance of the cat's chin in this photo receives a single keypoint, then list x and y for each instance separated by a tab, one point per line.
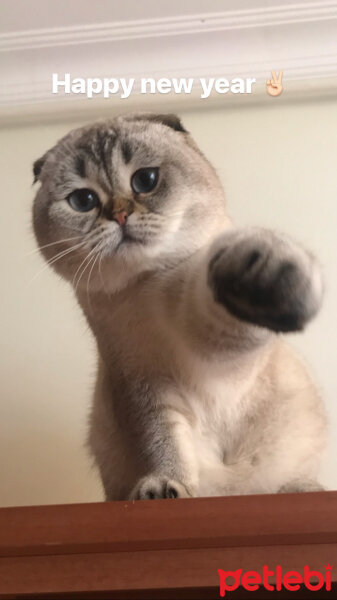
115	272
128	242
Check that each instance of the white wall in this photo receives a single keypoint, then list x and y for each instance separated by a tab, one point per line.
278	165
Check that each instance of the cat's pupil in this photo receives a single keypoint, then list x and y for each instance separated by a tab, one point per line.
144	180
83	200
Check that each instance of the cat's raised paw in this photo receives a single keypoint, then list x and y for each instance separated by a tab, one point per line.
154	487
263	278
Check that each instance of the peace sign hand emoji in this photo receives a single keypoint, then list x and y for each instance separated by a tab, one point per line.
274	85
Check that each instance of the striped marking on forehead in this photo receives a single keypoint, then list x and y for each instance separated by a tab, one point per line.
96	146
80	166
127	150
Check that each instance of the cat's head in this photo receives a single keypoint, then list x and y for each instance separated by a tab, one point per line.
124	196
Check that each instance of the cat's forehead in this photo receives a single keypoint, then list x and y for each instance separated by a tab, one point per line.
106	155
122	140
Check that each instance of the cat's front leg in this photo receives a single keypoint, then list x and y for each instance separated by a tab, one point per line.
265	279
165	452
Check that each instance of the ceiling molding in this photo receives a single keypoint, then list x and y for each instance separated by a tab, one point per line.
272	16
298	38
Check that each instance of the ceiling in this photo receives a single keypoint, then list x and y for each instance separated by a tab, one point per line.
22	15
156	38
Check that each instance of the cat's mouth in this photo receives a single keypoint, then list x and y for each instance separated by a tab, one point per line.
129	239
115	239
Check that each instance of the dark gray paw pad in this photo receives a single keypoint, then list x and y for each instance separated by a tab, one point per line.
257	286
171	492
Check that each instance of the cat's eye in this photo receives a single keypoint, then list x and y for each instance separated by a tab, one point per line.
145	180
83	200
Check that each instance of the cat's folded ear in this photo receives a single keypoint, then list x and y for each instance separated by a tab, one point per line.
169	119
38	166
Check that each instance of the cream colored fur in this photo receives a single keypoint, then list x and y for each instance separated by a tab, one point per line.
197	392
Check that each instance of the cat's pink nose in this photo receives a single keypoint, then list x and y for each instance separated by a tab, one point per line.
120	217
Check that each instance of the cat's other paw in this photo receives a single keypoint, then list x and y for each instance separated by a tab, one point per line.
154	487
265	279
301	485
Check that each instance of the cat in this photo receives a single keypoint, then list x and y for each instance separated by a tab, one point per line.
197	393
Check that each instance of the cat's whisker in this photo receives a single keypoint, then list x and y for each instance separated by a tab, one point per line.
54	260
82	263
146	228
36	250
85	263
74	284
63	253
91	235
101	274
89	276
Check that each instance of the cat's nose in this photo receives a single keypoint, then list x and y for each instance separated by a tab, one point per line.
121	217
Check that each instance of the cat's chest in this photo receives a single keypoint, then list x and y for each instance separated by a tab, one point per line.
220	403
217	409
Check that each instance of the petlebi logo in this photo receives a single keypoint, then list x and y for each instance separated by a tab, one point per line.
289	580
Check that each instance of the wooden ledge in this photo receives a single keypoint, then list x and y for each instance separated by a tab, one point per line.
164	548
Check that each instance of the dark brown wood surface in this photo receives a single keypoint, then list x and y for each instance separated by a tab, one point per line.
162	549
